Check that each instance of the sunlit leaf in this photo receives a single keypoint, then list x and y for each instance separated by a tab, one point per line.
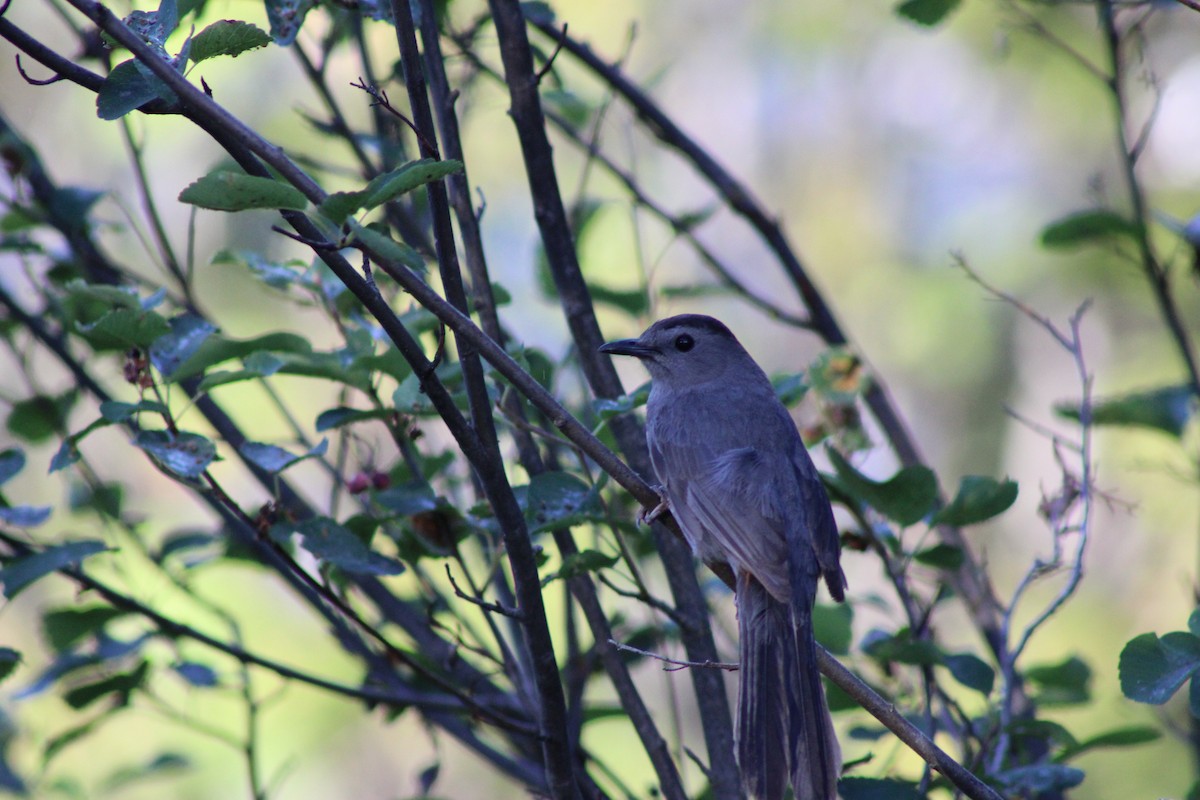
226	190
227	37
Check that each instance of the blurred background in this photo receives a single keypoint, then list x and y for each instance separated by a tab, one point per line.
883	148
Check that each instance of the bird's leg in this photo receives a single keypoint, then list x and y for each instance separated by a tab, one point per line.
646	516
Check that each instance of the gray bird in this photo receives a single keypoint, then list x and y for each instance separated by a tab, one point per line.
743	489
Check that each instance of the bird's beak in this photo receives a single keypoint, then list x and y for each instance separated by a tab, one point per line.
627	347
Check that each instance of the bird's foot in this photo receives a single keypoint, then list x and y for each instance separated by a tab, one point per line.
648	515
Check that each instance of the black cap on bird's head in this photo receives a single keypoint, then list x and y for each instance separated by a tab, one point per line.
687	347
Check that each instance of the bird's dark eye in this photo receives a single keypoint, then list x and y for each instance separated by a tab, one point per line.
684	342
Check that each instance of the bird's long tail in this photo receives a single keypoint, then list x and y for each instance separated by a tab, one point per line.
784	729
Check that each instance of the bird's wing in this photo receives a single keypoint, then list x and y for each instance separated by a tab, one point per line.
741	499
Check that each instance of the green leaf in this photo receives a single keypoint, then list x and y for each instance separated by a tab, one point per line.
408	499
24	516
537	11
390	185
12	461
171	350
634	302
122	329
581	563
9	659
1121	737
606	408
384	188
64	627
1168	409
877	789
384	246
560	500
186	455
40	418
940	556
408	397
342	416
164	763
114	411
18	574
569	105
832	626
971	671
200	675
1064	683
217	349
979	498
926	12
276	459
126	89
1039	779
900	647
1153	669
286	17
905	498
227	37
335	544
1084	227
68	452
225	190
122	686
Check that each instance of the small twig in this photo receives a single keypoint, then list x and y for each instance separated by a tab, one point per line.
29	78
319	245
674	665
541	73
484	604
379	98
